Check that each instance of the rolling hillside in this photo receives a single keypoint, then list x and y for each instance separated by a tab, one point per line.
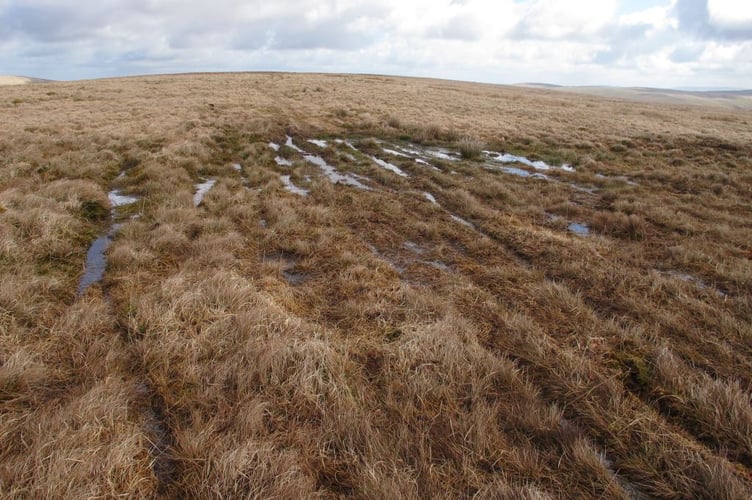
299	285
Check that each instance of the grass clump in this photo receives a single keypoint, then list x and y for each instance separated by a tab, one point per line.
93	210
470	147
620	225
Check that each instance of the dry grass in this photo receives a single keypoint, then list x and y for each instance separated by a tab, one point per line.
372	343
470	148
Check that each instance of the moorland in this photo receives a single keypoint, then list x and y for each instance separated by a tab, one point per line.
352	285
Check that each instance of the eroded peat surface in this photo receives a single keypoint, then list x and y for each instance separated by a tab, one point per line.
329	285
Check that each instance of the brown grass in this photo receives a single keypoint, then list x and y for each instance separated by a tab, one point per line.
368	343
470	147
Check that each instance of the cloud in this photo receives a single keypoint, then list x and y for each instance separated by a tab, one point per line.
556	19
633	36
695	18
686	53
350	29
731	14
623	41
50	24
657	42
460	27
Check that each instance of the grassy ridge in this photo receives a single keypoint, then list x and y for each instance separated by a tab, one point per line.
373	343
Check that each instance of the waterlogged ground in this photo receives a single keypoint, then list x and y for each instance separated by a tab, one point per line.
415	157
293	287
96	261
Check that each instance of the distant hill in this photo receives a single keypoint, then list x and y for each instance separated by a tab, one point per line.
539	85
735	99
19	80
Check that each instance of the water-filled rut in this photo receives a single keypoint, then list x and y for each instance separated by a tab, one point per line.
96	260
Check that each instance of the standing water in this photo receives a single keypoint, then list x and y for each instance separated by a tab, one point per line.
579	229
389	166
292	187
96	261
201	190
329	171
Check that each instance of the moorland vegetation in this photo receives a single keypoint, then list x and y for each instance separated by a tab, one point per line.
438	324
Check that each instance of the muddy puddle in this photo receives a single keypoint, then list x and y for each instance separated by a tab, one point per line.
423	154
421	161
462	221
420	155
504	162
331	173
290	144
282	162
292	187
96	259
388	166
538	166
202	189
519	172
346	143
442	154
522	160
319	142
579	228
378	161
117	199
508	163
430	197
394	152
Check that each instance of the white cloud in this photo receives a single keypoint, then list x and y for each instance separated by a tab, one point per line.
561	18
658	18
731	13
718	55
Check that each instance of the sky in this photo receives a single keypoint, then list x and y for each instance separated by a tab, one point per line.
654	43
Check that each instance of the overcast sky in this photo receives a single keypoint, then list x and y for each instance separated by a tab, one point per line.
662	43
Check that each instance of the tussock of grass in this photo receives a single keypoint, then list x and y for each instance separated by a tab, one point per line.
619	225
470	147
